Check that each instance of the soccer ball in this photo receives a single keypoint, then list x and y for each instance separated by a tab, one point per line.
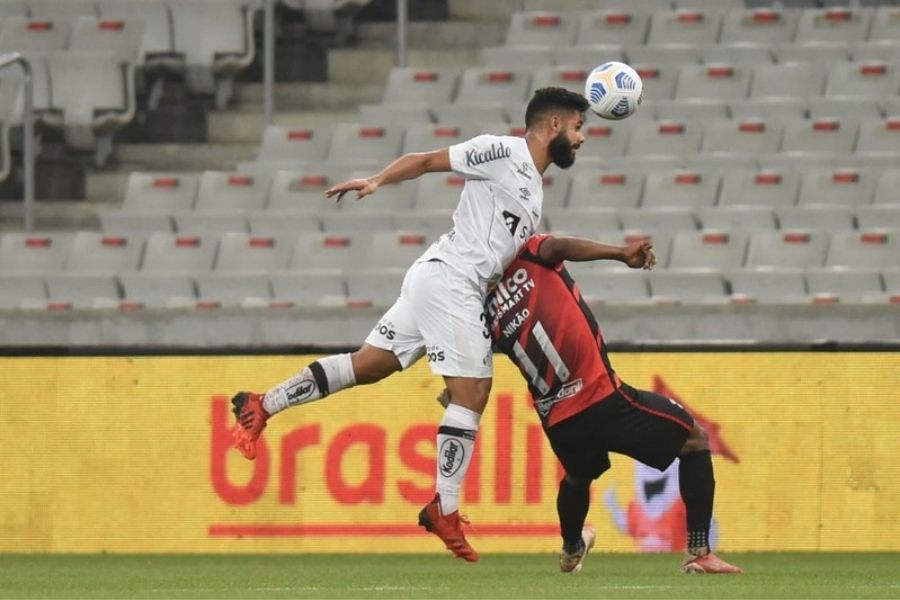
614	90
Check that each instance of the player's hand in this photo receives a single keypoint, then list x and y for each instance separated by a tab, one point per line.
363	188
639	255
444	397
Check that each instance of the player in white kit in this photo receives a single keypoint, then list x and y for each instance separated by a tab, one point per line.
440	311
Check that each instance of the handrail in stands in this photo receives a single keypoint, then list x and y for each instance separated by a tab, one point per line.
269	59
7	60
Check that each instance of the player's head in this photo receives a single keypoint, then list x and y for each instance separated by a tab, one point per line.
561	114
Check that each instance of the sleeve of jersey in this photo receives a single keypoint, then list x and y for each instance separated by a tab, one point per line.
474	159
532	247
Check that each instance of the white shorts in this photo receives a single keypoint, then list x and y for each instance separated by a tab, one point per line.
440	315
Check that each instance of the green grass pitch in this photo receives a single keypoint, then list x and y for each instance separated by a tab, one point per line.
768	575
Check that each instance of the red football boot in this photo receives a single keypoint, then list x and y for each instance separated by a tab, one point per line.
448	528
708	563
251	420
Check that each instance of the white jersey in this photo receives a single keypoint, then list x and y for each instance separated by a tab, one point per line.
499	208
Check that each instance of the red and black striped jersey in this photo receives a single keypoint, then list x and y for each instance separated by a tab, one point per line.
539	319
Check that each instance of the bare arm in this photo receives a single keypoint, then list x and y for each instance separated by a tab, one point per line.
636	254
408	166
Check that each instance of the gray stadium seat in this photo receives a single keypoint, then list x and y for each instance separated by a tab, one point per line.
300	144
816	217
157	47
869	79
737	218
556	188
542	28
884	51
885	24
501	86
159	290
613	26
242	252
324	251
233	289
840	187
666	218
16	289
212	221
845	283
835	23
569	78
887	186
461	112
659	79
687	26
873	248
518	57
395	249
357	220
94	252
422	137
708	249
791	249
380	287
68	10
722	81
819	137
587	57
782	109
160	191
788	79
214	58
410	86
763	25
769	285
891	277
603	188
662	54
318	287
354	142
433	223
879	215
680	187
612	287
129	221
21	34
813	52
83	291
220	190
583	222
13	8
283	222
692	109
741	136
662	244
297	190
93	96
171	253
664	137
439	191
844	107
687	286
879	137
736	54
394	114
122	38
604	138
34	253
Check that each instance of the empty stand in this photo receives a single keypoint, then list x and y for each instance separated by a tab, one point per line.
787	249
94	252
210	221
742	136
769	285
518	57
171	253
788	79
666	218
300	144
879	138
821	217
501	86
833	24
680	187
220	190
604	188
160	191
687	285
879	215
409	86
665	137
16	290
241	252
439	191
121	38
721	81
845	283
66	290
33	253
158	290
233	289
310	288
740	218
586	222
840	187
819	137
127	221
685	26
613	287
708	249
614	26
380	287
354	142
328	251
869	79
298	190
871	249
22	34
542	29
762	25
421	137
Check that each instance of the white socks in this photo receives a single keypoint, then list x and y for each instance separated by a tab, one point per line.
455	444
320	378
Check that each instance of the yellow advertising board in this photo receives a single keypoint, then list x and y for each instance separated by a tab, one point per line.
113	454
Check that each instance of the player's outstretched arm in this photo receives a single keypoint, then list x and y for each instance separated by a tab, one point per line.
637	255
408	166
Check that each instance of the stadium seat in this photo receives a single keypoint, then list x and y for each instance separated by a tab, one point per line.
879	137
556	188
788	79
68	10
691	109
122	38
662	244
843	108
140	222
687	26
542	29
422	137
34	253
157	46
82	290
887	186
283	222
840	187
462	112
782	109
869	79
764	26
787	249
297	190
433	223
324	251
819	137
613	26
38	36
380	287
160	191
659	79
394	114
666	218
587	57
213	59
158	290
356	220
354	142
891	277
883	51
171	253
568	78
18	289
872	248
879	215
612	287
395	249
220	190
738	218
190	222
519	57
321	287
662	54
664	137
486	85
816	217
885	24
93	96
825	53
692	286
229	290
736	54
833	24
769	285
680	187
13	8
708	249
94	252
741	136
721	81
605	189
439	191
604	138
582	222
242	252
300	144
845	283
409	86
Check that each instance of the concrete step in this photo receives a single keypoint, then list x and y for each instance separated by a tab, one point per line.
246	126
372	65
297	96
50	215
437	34
182	157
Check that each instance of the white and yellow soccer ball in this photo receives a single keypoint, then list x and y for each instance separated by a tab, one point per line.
614	90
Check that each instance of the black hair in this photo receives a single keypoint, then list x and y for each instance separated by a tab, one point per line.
553	98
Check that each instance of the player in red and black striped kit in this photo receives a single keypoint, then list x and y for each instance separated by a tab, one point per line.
538	318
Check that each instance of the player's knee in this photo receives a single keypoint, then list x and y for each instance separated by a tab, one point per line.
373	364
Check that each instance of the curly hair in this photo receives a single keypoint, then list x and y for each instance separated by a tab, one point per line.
553	98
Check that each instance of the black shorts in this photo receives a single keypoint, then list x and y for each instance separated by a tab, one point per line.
645	426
